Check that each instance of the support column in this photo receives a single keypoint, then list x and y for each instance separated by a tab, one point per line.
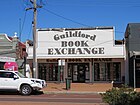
92	71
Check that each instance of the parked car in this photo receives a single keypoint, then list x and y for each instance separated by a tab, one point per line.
14	80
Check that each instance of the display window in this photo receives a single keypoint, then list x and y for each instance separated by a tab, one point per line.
105	71
48	71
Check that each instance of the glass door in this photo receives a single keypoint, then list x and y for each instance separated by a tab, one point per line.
75	73
78	71
81	73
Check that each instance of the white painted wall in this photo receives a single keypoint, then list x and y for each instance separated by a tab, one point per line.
104	39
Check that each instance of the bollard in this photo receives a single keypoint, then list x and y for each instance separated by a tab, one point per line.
68	83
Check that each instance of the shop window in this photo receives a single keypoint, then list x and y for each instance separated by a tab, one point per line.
48	71
70	71
117	71
96	72
105	71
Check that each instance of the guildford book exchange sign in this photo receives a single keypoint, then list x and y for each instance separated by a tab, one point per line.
74	43
75	47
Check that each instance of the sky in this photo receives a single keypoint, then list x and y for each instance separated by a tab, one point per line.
67	14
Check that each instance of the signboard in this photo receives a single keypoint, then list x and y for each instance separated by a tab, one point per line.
77	43
7	59
74	43
61	62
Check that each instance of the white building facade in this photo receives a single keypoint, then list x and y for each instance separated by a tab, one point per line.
82	54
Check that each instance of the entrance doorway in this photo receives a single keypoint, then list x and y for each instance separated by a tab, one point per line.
77	71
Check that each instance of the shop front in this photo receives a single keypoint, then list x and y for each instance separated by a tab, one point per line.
93	70
84	55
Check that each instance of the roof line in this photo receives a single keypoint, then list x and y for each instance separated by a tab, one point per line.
68	29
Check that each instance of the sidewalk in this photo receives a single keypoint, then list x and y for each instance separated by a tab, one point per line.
77	88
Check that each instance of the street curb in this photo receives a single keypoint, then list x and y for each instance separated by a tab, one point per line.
70	92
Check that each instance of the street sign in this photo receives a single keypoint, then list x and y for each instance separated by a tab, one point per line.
61	62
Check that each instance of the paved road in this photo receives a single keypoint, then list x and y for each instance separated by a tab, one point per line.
51	99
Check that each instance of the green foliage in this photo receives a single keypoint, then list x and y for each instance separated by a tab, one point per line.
121	96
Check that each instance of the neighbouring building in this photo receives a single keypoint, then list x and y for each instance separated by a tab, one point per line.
11	50
132	43
85	55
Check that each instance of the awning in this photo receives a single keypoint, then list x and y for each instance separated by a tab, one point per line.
11	66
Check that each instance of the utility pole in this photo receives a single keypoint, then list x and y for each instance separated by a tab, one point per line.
35	66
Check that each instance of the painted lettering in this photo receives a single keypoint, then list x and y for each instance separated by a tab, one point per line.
101	50
71	51
76	44
75	51
56	37
74	34
50	51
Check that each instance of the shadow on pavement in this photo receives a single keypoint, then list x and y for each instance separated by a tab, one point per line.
37	93
17	93
9	93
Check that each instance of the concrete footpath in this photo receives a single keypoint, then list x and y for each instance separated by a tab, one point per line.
77	88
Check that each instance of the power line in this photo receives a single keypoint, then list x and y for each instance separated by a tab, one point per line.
85	25
30	30
97	3
22	26
65	17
